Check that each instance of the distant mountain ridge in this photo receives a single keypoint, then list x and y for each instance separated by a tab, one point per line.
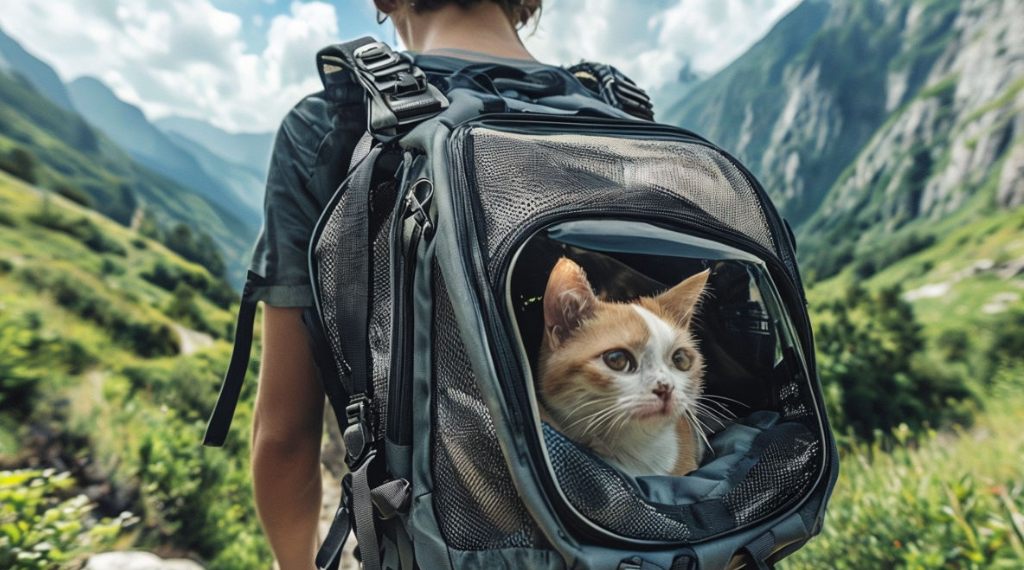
251	150
71	157
14	58
128	127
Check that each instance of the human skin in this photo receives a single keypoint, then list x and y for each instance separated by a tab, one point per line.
288	415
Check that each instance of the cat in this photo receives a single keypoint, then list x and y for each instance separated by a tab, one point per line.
623	379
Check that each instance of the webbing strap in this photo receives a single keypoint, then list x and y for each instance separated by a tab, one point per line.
353	291
637	563
231	387
362	510
760	549
406	555
329	555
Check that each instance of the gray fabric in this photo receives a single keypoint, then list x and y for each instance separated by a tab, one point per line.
729	447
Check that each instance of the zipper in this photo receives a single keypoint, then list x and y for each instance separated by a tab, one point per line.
412	228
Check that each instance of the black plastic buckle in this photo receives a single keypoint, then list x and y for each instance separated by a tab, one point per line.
399	94
377	55
357	436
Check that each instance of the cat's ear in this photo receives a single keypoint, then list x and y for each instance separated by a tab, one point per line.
680	302
568	301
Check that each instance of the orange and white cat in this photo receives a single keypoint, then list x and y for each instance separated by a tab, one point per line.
623	379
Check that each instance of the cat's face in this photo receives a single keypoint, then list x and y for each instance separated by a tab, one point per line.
617	370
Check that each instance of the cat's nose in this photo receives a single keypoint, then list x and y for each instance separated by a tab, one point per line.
663	390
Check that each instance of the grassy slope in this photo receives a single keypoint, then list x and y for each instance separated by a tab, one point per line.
967	244
935	501
138	419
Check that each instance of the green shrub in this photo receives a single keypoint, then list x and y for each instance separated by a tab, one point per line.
30	356
73	193
170	277
147	338
81	228
20	163
6	219
43	526
872	362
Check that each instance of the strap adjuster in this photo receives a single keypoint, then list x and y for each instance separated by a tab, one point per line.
358	435
398	95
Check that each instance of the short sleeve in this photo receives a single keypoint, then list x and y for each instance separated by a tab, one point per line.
291	207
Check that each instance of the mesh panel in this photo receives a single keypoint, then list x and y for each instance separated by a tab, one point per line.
329	266
603	496
328	255
477	503
561	173
787	468
787	458
380	338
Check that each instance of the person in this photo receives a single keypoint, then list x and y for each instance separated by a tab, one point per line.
288	415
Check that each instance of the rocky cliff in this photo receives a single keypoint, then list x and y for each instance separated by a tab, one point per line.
866	118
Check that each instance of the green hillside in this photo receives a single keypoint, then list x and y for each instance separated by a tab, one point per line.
57	149
113	347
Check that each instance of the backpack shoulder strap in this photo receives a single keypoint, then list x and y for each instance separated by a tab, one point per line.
398	96
612	86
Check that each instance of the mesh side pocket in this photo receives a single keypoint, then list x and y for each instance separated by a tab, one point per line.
331	269
382	202
477	503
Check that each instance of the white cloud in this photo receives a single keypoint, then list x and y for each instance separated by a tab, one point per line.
180	57
187	57
653	41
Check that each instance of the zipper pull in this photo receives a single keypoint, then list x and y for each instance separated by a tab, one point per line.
417	204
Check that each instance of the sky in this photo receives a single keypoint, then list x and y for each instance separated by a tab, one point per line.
241	64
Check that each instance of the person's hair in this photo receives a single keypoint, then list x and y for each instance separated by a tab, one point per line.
519	11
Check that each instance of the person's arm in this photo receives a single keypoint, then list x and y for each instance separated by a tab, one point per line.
286	437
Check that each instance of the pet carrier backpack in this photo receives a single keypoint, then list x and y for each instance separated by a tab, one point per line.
428	268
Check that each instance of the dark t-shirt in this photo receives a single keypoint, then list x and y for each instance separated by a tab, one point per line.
301	182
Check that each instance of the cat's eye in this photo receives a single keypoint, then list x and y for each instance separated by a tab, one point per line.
682	360
619	360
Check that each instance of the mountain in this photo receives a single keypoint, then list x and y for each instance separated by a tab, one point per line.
869	121
129	128
14	59
245	183
251	150
954	148
61	151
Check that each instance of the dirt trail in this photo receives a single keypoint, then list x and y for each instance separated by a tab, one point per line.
191	340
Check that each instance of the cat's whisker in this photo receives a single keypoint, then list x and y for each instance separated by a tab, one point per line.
578	405
596	418
699	428
718	405
724	399
713	414
588	417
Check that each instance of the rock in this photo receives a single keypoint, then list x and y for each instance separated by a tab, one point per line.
135	560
